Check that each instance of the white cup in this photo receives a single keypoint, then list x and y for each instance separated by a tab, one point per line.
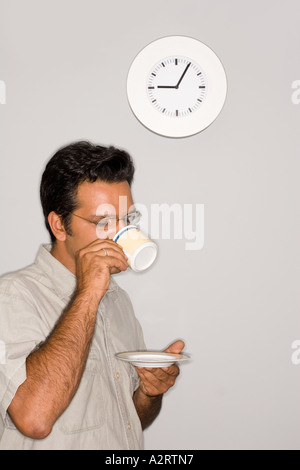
141	251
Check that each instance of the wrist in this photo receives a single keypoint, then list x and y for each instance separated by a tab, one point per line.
147	407
89	297
144	395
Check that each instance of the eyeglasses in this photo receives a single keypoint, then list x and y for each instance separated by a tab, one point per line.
109	222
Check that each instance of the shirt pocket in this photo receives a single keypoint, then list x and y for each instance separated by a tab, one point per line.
87	408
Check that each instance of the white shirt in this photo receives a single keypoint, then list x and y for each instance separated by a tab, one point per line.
102	414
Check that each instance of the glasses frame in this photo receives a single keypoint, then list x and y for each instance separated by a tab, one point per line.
112	217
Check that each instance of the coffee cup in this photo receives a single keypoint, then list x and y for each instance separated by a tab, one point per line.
140	250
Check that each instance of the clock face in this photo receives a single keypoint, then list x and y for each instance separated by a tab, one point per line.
177	86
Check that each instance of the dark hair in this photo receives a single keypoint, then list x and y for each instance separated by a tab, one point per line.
74	164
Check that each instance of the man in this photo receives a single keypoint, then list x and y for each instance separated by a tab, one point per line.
63	319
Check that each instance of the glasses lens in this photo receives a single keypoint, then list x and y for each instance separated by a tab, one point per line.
106	227
134	217
106	223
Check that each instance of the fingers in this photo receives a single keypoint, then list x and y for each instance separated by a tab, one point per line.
175	348
115	261
108	250
157	381
98	245
95	263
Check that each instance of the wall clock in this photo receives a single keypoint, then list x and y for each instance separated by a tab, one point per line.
176	86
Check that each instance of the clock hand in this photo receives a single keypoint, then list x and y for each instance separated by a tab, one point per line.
180	80
186	69
165	86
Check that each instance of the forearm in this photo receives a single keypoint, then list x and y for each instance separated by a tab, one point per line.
147	407
54	370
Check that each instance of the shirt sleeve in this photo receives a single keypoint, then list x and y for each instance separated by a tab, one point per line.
19	335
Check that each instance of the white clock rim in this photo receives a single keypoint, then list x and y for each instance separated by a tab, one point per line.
140	103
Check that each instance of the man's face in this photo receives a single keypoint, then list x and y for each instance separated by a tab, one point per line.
96	200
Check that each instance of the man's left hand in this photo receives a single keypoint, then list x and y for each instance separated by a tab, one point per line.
157	381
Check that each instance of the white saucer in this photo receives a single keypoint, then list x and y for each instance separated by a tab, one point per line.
151	358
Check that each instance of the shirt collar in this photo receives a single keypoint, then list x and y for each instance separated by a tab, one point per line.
63	280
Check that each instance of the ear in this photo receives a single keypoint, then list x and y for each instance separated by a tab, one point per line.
57	226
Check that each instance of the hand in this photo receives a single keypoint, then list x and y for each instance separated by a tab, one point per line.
156	381
166	86
95	263
180	80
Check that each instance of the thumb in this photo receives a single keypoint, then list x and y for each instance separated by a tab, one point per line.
175	348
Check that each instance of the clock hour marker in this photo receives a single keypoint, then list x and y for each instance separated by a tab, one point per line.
176	61
177	113
200	73
202	86
190	110
151	87
163	64
154	75
153	101
200	101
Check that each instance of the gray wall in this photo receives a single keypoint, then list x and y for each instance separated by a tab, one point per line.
236	301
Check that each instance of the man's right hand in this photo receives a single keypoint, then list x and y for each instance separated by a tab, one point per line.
94	265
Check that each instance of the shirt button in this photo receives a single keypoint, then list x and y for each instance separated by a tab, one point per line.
117	375
128	425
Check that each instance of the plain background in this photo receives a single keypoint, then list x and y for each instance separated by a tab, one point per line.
236	301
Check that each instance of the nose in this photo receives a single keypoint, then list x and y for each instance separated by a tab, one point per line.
121	224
